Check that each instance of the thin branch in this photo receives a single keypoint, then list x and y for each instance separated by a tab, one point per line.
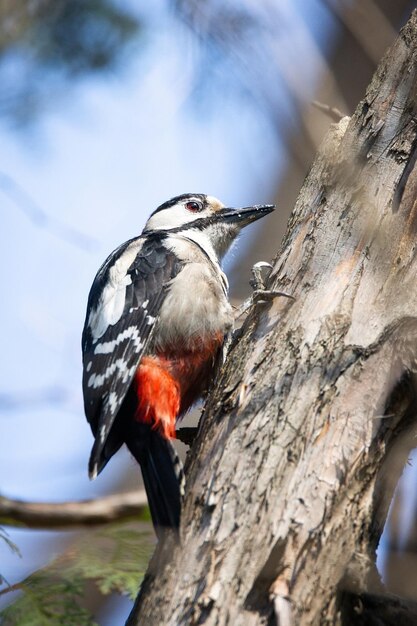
23	201
10	588
335	114
67	514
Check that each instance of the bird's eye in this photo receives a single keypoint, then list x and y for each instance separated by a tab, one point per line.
194	206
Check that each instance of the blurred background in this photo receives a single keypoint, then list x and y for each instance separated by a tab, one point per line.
107	109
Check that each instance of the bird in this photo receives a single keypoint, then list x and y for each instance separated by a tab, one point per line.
157	316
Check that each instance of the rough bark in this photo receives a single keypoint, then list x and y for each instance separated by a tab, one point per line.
288	481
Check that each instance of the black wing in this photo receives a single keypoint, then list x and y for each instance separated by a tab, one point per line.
122	311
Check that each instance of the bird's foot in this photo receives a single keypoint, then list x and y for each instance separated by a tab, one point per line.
260	295
257	281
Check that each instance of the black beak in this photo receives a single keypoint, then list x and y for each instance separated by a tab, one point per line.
245	215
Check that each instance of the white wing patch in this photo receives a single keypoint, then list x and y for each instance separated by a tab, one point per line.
112	401
107	347
97	380
103	433
111	303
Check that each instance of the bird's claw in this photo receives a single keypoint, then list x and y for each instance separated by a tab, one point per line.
267	295
260	295
257	281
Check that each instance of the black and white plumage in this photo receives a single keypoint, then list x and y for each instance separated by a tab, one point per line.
156	315
123	306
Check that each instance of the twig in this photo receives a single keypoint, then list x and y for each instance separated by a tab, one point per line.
335	114
39	217
79	513
10	588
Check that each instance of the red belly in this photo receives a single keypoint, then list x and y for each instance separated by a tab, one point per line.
167	385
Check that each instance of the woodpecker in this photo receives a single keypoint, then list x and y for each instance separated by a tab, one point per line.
157	316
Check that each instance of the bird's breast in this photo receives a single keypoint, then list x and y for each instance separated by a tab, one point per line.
195	310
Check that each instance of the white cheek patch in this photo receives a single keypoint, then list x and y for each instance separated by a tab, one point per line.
173	217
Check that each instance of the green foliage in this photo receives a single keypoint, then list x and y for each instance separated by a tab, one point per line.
114	558
50	598
117	560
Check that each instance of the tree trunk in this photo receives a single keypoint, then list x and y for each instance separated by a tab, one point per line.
288	481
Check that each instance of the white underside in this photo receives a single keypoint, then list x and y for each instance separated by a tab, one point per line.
196	304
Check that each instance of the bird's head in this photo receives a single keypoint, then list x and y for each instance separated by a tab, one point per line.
204	219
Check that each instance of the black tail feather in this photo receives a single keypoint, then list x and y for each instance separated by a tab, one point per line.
162	476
